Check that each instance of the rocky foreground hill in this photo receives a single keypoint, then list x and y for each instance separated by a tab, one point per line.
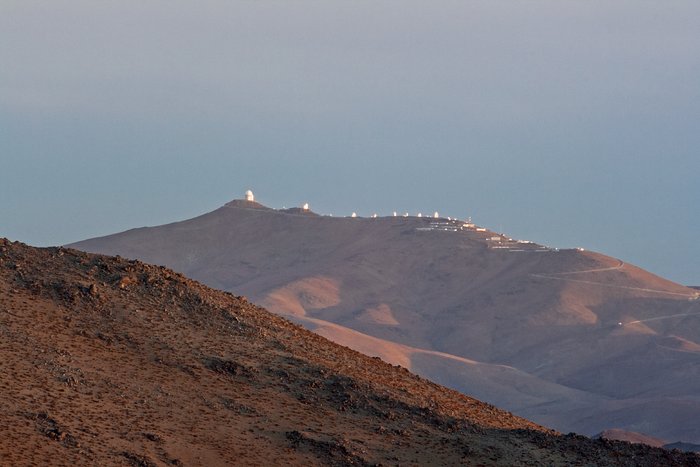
107	361
571	339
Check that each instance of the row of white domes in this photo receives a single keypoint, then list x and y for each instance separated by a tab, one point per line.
249	196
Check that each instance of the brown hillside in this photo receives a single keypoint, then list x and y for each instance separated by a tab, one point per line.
115	362
591	341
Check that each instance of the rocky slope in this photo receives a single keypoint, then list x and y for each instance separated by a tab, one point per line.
113	362
573	339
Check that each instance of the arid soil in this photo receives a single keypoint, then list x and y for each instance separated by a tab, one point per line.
571	339
107	361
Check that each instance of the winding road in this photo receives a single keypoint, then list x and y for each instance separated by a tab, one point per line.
657	318
556	276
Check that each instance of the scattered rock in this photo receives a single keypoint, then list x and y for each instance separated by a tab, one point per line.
50	428
228	367
138	460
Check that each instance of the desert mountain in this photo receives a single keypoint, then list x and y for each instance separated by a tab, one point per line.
114	362
632	437
572	339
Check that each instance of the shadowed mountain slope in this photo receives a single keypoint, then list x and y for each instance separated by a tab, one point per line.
577	340
115	362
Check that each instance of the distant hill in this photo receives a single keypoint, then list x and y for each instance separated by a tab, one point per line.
631	437
115	362
571	339
689	447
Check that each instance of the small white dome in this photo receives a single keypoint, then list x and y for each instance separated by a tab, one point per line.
249	196
305	207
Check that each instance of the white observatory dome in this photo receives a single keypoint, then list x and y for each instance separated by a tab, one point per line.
249	196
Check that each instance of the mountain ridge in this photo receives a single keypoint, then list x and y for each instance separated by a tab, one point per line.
576	319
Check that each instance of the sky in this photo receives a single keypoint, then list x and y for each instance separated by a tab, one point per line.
569	123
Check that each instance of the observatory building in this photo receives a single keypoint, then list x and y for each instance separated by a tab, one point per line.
249	196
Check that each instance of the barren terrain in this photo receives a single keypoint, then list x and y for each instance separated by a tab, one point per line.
572	339
107	361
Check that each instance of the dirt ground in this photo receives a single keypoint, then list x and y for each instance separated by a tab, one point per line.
105	361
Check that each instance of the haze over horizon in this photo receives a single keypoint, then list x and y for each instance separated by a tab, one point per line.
570	124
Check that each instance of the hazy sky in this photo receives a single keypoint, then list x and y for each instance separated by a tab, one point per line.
570	123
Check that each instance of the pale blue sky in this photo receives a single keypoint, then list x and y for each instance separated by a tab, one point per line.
571	123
